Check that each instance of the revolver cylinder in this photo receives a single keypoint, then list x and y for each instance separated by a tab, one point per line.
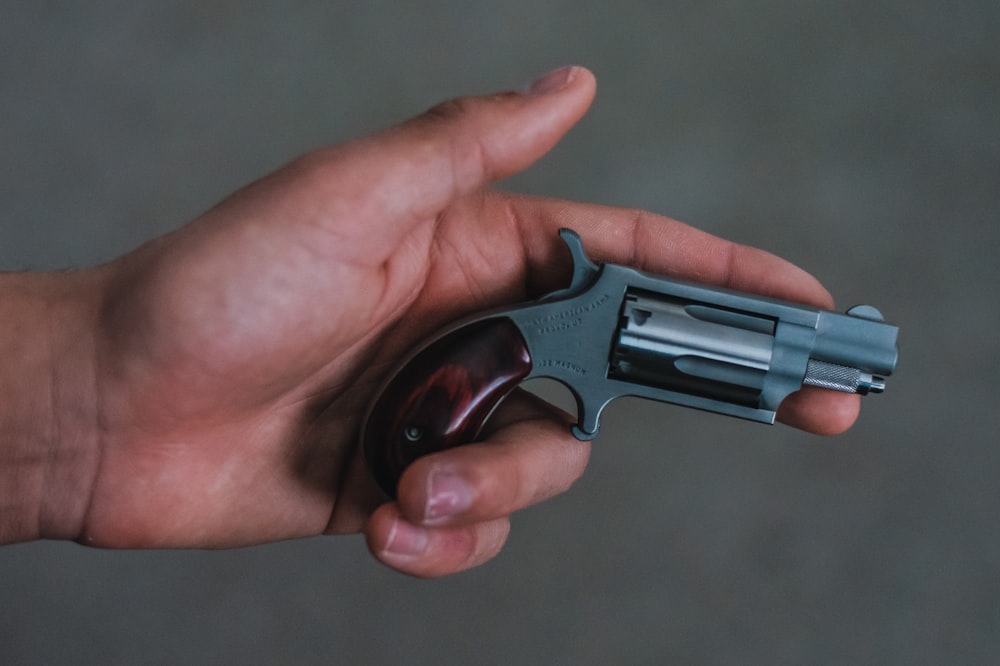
692	348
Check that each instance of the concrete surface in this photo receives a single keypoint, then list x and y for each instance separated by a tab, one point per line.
859	139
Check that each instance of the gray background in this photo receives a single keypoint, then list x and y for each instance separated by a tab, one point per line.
859	139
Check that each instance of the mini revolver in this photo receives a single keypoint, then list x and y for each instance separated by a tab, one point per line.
617	331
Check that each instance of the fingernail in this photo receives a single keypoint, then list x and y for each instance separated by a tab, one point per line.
551	82
406	540
447	495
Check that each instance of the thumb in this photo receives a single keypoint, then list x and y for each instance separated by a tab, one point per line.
398	177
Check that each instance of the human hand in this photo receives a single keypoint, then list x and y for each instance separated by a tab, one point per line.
235	357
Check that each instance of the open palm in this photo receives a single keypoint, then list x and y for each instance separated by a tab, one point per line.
237	355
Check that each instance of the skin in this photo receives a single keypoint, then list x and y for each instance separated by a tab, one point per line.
206	390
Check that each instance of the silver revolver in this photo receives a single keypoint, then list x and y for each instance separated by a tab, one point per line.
616	331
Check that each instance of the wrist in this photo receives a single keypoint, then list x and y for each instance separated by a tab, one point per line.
48	402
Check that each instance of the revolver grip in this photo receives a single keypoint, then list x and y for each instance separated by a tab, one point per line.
443	395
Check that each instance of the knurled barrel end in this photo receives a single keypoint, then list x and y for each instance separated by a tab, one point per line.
841	378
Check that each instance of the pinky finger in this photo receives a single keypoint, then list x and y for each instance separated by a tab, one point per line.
429	552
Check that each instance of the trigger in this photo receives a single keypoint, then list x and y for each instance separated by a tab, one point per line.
588	415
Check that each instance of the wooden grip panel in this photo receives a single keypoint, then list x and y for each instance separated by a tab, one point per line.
443	395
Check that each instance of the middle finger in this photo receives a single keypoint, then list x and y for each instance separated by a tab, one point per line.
528	456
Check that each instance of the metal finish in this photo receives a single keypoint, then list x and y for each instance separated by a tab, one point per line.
839	378
617	331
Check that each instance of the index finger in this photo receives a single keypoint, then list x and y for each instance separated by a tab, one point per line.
660	245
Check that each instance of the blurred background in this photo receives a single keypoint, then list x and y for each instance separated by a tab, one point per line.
860	139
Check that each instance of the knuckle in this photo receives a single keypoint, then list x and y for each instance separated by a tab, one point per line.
459	106
450	109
